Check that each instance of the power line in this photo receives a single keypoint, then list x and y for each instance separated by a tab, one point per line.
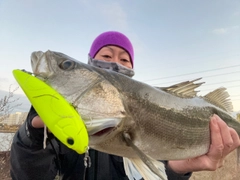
214	83
221	74
190	61
227	88
202	77
221	82
167	77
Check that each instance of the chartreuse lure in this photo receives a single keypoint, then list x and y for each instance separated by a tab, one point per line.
57	114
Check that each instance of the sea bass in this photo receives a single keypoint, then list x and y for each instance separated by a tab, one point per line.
129	118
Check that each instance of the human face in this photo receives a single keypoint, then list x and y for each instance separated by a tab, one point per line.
114	54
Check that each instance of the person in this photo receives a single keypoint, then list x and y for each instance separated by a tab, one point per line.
28	160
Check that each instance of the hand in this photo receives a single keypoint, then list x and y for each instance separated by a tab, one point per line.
37	122
223	141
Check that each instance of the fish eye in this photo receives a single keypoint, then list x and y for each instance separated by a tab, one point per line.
67	65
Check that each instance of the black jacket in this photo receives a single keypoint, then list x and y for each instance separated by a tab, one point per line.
30	161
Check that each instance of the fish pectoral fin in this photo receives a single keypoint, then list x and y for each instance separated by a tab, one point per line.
135	168
130	169
148	167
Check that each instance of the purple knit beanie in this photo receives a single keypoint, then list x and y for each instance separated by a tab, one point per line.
112	38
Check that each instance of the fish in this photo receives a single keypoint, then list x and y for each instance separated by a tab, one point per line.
132	119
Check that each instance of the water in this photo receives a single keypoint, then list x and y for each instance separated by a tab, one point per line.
5	141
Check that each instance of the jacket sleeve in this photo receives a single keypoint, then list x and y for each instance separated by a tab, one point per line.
28	159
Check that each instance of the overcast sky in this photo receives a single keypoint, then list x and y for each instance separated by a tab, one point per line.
174	40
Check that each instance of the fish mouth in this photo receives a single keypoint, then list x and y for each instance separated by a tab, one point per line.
104	131
99	127
41	66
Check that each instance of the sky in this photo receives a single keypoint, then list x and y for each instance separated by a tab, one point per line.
173	40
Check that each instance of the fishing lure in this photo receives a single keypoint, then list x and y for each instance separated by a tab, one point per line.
57	114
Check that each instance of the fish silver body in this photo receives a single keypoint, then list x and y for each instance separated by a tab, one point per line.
162	125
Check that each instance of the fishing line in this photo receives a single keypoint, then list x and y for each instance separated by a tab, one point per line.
87	162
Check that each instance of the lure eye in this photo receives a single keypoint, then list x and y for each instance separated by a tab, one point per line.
70	141
67	65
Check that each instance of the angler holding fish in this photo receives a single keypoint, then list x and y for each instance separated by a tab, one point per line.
130	124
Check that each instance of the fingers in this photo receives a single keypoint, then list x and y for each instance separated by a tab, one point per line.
37	122
229	136
226	136
222	143
235	138
216	147
223	140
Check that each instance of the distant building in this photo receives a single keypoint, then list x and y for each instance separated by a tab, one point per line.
16	118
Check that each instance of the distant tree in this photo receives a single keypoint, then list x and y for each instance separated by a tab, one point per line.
8	103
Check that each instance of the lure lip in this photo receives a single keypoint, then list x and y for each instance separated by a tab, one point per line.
59	116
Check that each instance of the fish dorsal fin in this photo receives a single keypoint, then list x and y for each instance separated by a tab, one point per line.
184	89
220	98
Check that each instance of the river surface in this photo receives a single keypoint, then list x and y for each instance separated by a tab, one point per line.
5	141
